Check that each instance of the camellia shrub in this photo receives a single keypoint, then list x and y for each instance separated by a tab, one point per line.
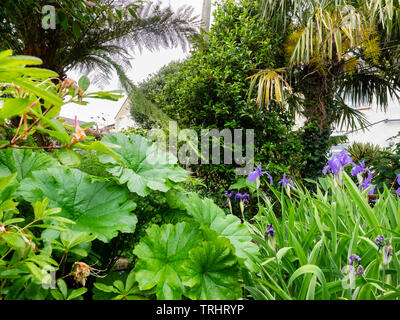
211	89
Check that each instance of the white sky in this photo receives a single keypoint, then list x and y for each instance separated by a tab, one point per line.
142	66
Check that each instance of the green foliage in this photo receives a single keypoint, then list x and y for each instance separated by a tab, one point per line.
143	108
181	246
211	91
321	73
316	145
363	151
24	266
160	258
31	102
199	258
102	37
24	162
70	242
12	70
63	293
307	257
100	208
387	166
208	214
91	164
212	271
118	290
384	162
145	167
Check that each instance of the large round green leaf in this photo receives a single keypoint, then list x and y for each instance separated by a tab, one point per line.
212	272
24	162
161	254
101	208
145	166
208	214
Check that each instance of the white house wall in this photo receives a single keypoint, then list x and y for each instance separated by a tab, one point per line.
384	125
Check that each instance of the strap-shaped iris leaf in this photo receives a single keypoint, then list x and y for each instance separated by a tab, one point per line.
23	162
101	208
161	254
212	272
145	166
208	214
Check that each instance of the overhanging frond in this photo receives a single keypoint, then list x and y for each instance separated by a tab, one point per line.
369	88
346	117
271	86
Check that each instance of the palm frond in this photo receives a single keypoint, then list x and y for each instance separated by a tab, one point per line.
383	11
329	33
271	86
369	88
346	117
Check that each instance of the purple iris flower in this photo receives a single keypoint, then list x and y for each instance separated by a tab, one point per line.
229	194
286	182
228	199
353	258
243	197
398	182
258	173
367	183
270	231
380	242
360	270
338	162
355	269
358	169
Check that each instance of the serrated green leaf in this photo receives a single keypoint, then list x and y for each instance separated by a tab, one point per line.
208	214
212	272
101	208
23	162
145	167
161	254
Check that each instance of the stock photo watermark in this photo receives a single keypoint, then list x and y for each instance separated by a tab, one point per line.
49	17
187	147
48	277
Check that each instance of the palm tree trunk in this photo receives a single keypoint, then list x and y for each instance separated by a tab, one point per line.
206	16
316	147
315	136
